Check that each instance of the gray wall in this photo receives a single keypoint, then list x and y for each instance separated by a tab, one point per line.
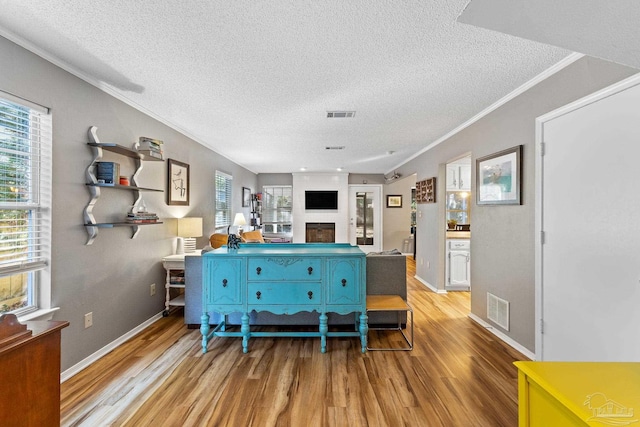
397	221
110	278
502	237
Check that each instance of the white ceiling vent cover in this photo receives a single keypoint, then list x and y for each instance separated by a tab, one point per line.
498	311
340	114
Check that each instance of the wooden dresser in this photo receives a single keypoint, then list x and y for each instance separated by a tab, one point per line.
578	394
284	278
30	372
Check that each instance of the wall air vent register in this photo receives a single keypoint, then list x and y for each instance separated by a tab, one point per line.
340	114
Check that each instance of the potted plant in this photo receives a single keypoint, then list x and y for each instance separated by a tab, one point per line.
451	224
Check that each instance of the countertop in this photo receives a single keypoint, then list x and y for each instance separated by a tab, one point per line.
458	234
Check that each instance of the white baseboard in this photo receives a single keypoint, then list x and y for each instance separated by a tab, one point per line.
68	373
429	285
507	340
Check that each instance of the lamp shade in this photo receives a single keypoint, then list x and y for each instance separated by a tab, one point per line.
189	227
239	220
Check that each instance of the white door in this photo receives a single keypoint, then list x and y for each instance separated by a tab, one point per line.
365	217
588	268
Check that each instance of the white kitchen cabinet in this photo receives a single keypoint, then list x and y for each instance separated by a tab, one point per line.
458	177
458	269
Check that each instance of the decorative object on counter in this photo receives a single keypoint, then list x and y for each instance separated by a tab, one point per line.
233	241
124	180
451	224
426	191
238	221
188	230
178	183
246	197
394	201
499	177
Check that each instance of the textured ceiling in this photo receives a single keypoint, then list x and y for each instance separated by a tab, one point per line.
603	29
253	80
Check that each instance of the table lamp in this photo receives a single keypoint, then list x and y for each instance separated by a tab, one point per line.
239	221
188	230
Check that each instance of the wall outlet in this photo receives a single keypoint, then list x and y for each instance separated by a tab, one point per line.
421	261
152	289
88	320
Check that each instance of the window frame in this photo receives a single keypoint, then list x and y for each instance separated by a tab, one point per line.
35	237
277	211
227	194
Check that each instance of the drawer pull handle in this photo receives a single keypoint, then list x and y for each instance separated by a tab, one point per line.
310	270
224	283
258	270
258	294
310	294
344	282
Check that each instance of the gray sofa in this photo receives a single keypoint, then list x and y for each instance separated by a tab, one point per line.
386	274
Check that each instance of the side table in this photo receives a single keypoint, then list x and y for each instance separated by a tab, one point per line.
174	264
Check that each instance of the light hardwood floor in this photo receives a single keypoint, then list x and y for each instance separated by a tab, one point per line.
457	375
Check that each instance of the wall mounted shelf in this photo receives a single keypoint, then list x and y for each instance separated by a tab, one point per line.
94	186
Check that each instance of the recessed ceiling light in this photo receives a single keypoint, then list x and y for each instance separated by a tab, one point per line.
303	169
339	169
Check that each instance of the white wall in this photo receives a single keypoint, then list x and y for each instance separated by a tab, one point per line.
321	181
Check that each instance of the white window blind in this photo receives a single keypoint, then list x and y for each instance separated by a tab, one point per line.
25	196
277	203
223	199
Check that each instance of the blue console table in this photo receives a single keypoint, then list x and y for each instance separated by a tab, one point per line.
284	278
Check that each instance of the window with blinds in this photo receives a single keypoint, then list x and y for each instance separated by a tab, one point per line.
223	199
25	196
276	209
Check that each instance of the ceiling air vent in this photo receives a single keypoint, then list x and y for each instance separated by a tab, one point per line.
340	114
334	147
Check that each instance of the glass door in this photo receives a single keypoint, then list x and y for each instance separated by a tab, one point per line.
365	217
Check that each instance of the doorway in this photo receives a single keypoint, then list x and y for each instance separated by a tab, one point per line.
458	223
365	217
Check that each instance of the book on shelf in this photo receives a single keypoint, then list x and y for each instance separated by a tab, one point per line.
150	144
152	153
108	172
142	217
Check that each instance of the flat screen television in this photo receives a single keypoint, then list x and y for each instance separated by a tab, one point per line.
320	200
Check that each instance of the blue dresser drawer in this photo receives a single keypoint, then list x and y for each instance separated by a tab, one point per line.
289	293
289	268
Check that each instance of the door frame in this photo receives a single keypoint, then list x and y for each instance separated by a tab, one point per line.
539	189
377	217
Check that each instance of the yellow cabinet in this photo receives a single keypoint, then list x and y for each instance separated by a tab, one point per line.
578	394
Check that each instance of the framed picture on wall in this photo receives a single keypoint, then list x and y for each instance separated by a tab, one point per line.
178	183
394	201
246	197
499	178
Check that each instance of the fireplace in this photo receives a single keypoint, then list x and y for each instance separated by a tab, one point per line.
320	232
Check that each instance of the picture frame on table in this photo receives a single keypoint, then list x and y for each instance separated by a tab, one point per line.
246	197
177	183
394	200
499	178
